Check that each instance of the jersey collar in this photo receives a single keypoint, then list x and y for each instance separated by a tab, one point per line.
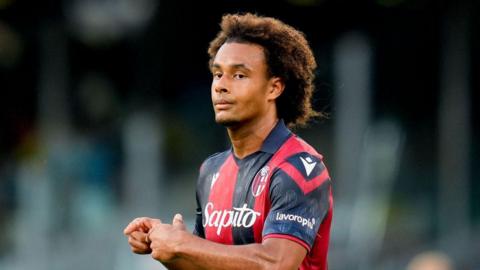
279	134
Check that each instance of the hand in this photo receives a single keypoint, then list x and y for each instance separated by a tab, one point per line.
165	238
141	224
137	232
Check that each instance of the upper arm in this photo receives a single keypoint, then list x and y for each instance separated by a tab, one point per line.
300	200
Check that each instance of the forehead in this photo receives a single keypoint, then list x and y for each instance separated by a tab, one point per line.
234	53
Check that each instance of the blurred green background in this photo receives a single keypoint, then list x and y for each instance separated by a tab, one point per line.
105	116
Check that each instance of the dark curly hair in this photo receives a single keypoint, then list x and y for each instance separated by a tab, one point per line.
287	54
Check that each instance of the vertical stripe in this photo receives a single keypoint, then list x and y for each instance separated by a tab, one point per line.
204	183
249	169
217	212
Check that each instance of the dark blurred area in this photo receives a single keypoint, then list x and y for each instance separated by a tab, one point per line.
105	116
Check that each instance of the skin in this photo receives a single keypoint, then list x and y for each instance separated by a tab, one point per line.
243	98
243	95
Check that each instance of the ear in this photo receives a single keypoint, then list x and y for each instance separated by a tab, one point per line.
276	87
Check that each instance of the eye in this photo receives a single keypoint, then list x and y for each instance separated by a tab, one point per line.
216	75
239	76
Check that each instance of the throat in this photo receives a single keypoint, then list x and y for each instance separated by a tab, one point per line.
248	139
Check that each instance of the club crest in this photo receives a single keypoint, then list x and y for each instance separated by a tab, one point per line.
260	181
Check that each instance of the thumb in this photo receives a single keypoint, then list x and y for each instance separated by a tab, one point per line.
178	221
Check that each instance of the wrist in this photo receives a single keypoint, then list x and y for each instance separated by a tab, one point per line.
184	238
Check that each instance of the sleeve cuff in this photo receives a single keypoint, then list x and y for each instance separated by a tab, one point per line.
289	237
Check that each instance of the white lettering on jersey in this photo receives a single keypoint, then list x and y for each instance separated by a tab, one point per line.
290	217
238	217
309	164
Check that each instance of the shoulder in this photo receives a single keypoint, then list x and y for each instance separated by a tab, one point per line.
210	166
299	154
302	146
300	165
214	160
213	163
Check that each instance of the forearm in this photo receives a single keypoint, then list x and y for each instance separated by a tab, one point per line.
204	254
182	264
179	249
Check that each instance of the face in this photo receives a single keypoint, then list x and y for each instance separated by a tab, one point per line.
241	89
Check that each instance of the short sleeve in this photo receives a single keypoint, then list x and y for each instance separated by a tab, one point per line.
299	197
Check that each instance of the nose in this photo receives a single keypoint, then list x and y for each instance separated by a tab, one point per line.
220	85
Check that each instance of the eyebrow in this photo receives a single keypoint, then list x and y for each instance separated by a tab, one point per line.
233	66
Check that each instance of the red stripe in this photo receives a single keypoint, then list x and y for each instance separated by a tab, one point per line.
306	186
221	195
289	237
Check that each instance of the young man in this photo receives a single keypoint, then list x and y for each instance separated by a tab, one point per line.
266	203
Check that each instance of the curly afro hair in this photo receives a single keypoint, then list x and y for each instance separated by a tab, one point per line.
287	54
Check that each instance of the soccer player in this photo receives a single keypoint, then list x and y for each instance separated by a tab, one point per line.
266	203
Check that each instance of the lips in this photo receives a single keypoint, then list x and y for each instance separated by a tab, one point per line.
222	104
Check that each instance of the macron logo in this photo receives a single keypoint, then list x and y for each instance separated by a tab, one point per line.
214	179
309	164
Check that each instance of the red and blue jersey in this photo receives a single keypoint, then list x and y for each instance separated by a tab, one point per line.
281	191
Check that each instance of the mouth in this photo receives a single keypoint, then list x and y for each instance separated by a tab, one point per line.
222	104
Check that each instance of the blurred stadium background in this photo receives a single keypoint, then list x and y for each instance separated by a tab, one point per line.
105	115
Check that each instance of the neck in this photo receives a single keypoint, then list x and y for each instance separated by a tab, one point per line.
248	138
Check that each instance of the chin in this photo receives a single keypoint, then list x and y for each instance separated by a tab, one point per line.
227	122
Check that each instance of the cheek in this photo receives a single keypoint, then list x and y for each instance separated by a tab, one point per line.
212	89
253	100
